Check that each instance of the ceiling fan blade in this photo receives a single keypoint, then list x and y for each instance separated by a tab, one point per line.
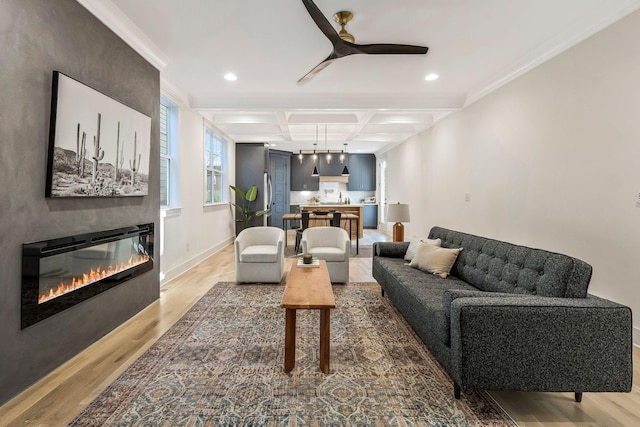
391	49
321	66
342	48
321	21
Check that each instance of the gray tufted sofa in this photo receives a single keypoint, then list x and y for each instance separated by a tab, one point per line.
511	317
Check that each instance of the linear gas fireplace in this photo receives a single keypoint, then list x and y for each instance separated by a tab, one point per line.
60	273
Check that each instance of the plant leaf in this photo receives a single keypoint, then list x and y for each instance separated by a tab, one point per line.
239	192
252	193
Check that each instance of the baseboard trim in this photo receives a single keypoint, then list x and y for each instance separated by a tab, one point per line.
636	337
189	264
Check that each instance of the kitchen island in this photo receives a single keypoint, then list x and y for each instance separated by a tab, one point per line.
355	209
323	218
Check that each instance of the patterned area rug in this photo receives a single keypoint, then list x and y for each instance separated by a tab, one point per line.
222	365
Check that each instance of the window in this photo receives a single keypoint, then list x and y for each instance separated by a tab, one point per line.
168	133
215	165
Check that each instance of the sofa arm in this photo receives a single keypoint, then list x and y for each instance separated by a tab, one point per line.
280	248
451	295
534	343
390	249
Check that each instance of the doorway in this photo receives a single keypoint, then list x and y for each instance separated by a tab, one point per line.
280	174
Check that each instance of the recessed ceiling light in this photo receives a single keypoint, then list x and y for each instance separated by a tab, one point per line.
430	77
231	77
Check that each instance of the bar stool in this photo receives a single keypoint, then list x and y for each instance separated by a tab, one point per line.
304	224
335	220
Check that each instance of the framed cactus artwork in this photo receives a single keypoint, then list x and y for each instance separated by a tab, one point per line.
98	147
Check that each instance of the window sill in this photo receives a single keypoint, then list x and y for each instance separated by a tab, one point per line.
170	212
213	205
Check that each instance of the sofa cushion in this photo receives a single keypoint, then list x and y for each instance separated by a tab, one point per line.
434	259
414	244
329	254
421	294
259	253
497	266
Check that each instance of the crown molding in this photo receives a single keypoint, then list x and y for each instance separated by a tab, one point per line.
319	101
566	42
122	26
173	92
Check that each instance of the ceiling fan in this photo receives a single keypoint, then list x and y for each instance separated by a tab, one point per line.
343	42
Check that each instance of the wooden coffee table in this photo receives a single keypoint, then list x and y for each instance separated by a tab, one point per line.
307	288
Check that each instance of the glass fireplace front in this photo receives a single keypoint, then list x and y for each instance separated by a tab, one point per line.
60	273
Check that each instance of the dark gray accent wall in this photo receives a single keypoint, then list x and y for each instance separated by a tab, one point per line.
37	37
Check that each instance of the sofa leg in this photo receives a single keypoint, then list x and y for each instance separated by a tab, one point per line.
578	396
456	390
382	290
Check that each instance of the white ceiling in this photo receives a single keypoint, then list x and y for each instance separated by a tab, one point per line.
370	102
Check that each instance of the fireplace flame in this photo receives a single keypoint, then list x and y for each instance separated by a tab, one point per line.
92	276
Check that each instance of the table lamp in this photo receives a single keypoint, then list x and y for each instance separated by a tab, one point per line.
398	213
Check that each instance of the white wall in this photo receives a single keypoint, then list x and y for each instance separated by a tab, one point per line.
193	231
550	160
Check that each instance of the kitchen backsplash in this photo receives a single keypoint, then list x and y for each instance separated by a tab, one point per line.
330	193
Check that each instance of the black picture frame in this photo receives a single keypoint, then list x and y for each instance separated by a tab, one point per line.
98	146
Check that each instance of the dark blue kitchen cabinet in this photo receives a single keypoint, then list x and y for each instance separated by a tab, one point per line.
301	179
362	172
333	168
370	216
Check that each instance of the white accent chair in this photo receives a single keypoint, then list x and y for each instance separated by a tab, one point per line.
260	255
331	244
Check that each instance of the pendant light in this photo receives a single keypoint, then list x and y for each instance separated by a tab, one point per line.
315	156
315	146
345	170
325	146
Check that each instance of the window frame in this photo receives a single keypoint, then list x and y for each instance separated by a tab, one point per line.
172	149
210	136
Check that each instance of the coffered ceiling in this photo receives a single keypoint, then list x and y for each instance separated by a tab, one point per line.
370	102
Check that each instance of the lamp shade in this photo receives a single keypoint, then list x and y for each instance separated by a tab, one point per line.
345	171
315	171
398	213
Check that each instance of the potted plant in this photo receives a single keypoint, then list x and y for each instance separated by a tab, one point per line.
244	202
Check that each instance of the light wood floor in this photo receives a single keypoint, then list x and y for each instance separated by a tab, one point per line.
58	397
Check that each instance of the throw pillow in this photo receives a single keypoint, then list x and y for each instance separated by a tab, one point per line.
434	259
415	243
